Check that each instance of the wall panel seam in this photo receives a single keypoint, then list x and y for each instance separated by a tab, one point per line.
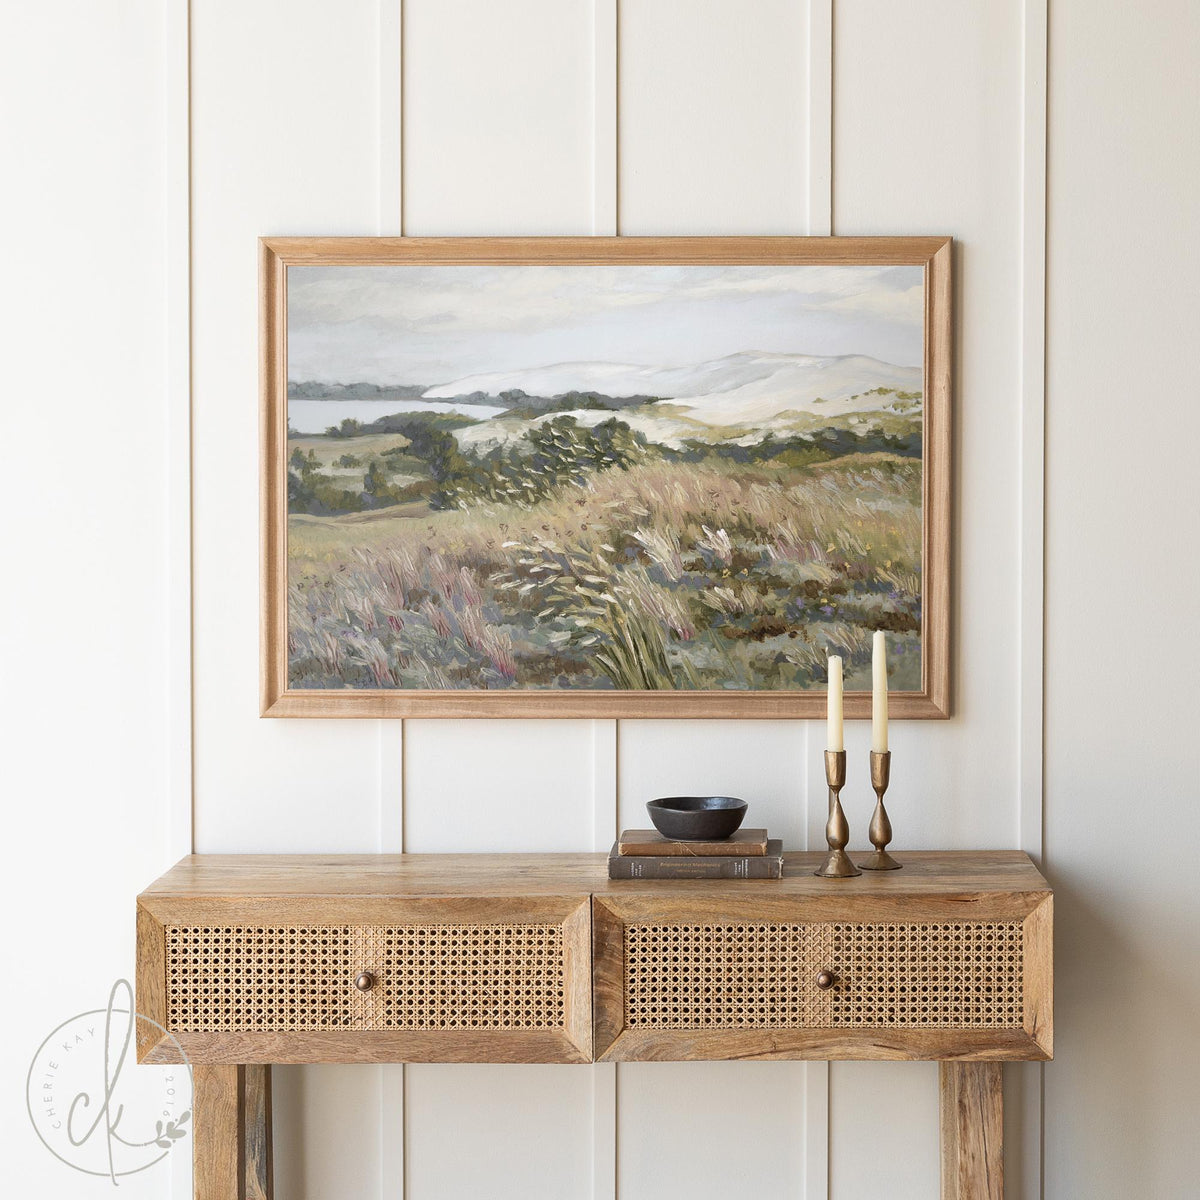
605	734
177	150
391	174
820	118
1032	416
817	1080
605	751
393	1080
605	119
1031	596
178	387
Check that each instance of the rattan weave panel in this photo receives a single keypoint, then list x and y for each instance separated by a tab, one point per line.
959	975
752	975
233	979
462	977
758	975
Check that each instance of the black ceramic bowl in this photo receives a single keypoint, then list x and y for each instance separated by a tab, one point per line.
696	818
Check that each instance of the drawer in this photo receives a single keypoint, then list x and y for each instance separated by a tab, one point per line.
502	986
674	984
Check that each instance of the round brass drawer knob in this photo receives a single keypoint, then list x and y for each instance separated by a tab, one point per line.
824	979
365	981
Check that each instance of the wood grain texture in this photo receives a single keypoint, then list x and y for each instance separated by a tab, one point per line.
236	890
608	977
529	251
636	843
363	910
874	1045
972	1129
1039	975
573	891
232	1154
937	533
577	976
950	876
277	254
402	1046
259	1180
219	1150
554	705
996	887
150	981
272	300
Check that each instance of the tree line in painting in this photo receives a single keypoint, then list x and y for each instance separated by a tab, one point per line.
583	540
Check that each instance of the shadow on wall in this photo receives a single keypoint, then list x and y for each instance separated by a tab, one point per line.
1109	1071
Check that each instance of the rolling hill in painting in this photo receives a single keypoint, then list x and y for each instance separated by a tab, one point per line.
606	525
603	478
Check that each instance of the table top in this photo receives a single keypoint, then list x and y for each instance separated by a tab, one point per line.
927	874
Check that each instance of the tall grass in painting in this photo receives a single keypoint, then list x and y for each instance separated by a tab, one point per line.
654	574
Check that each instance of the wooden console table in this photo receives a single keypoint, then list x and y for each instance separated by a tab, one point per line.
249	960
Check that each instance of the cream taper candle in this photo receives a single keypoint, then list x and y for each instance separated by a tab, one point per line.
834	709
879	693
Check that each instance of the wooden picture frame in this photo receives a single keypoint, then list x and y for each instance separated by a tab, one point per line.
932	255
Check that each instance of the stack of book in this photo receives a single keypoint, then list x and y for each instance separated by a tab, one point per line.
646	854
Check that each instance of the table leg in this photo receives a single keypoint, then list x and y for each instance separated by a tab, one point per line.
231	1111
259	1174
972	1109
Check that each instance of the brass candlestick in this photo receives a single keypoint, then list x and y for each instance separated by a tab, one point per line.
881	827
837	831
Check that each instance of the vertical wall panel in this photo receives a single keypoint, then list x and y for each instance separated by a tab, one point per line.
285	107
499	129
927	139
477	786
498	1132
497	116
327	1132
761	761
928	130
1123	577
710	1131
713	123
85	608
497	139
713	116
883	1130
292	134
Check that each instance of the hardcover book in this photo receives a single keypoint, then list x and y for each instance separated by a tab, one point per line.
650	841
669	866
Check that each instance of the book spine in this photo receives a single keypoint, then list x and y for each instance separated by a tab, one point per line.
647	867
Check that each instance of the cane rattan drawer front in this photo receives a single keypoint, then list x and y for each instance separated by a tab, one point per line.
677	978
764	975
747	975
935	975
287	978
246	959
494	981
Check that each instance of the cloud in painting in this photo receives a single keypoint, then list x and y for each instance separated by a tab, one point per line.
428	325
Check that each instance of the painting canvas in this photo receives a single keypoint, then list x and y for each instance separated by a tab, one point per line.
576	482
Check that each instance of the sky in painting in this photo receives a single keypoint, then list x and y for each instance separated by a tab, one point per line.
432	325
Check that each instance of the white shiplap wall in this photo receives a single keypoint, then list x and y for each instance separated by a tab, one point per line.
87	789
223	120
660	116
146	145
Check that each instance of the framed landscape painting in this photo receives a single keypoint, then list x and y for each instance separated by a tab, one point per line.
603	477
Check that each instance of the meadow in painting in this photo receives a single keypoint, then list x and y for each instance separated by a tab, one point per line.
602	477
